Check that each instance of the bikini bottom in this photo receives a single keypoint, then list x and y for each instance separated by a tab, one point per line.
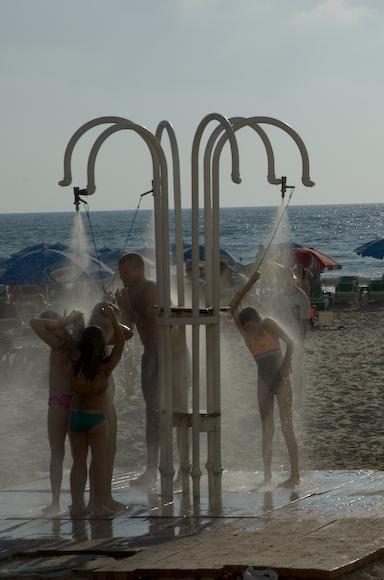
84	421
64	400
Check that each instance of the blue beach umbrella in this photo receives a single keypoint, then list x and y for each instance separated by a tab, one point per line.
110	256
51	264
373	249
3	262
225	256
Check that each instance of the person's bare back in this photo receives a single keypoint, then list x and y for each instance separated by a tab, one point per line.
60	363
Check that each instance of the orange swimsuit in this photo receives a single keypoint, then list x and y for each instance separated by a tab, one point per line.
263	345
267	354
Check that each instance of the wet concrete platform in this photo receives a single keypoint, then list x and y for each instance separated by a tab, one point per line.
333	523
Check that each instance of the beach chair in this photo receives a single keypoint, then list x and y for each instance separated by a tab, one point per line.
375	291
347	290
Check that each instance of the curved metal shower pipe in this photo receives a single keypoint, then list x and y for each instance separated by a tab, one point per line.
67	179
251	121
160	188
196	472
306	180
271	176
161	199
235	175
165	125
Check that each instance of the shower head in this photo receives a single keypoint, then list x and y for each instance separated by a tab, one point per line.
77	192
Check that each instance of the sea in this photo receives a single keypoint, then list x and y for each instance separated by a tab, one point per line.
334	229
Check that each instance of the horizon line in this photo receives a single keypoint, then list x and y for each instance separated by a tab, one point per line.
33	212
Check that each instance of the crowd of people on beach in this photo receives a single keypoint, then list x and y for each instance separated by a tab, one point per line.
81	385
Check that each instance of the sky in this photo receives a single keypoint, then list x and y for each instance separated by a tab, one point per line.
314	64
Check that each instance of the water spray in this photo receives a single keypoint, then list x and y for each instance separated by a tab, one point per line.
77	192
283	190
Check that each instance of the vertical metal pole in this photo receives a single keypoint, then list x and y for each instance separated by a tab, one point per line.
177	205
215	487
210	347
215	396
196	471
179	363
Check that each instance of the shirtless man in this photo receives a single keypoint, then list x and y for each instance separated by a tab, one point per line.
53	330
137	304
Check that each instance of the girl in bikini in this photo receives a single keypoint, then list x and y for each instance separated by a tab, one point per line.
53	330
262	337
88	427
99	318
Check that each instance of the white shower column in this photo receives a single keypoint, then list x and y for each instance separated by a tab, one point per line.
208	316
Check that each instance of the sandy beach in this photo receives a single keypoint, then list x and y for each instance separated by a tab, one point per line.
338	420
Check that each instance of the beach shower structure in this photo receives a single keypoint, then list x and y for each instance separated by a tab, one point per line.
204	312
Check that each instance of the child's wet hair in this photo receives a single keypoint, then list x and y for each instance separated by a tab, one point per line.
249	314
92	338
92	351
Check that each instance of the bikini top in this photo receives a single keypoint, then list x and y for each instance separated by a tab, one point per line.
263	344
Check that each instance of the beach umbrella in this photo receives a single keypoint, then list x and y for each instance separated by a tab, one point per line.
310	259
110	256
373	249
3	262
225	256
51	264
186	245
39	246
